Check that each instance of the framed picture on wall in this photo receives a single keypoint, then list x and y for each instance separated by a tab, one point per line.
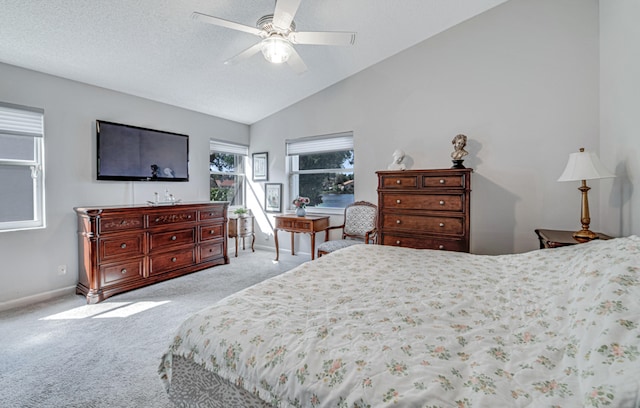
273	197
260	166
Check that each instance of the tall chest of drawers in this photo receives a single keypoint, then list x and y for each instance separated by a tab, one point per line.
427	209
125	248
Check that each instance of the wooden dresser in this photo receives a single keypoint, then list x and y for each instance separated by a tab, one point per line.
124	248
426	209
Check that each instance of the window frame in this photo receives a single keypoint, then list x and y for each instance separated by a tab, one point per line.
24	121
316	145
242	154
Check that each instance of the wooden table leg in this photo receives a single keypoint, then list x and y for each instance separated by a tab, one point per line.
275	237
292	248
253	241
236	246
313	245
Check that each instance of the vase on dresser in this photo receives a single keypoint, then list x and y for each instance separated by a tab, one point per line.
301	212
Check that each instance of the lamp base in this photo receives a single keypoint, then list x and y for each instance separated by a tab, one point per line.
584	235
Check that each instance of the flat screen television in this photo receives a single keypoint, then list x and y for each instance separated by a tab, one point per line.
132	153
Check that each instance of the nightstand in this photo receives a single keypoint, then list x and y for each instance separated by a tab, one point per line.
242	227
557	238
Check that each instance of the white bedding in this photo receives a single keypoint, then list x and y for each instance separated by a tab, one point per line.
377	326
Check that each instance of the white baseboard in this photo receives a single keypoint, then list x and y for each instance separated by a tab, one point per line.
40	297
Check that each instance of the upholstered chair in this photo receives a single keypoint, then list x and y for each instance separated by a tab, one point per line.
359	227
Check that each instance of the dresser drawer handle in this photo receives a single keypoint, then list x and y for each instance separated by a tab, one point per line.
441	181
123	246
397	221
441	202
440	246
442	224
212	232
210	250
397	242
123	222
157	220
123	271
188	217
398	182
173	238
397	201
174	259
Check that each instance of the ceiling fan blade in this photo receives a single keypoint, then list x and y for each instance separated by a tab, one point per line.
226	23
296	63
322	38
249	52
284	13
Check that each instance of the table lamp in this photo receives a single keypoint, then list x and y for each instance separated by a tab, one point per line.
583	166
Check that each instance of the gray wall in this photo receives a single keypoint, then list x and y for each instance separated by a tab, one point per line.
521	81
30	258
620	121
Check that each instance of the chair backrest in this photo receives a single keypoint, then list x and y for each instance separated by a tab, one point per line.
359	218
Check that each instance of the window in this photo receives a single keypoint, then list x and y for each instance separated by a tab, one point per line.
321	168
21	168
226	172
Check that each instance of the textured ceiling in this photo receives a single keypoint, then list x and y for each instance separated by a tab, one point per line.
153	49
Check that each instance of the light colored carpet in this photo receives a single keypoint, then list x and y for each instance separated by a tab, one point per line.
63	353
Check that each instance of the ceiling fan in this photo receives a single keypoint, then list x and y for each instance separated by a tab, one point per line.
278	33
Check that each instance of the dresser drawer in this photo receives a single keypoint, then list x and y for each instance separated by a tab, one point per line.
159	240
211	231
421	224
121	245
124	223
173	217
211	251
212	213
423	243
433	202
434	181
398	181
171	260
121	272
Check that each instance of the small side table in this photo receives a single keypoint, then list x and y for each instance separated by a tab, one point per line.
557	238
242	227
309	224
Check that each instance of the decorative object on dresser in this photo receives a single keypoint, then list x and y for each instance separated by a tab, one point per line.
359	227
458	142
127	247
242	227
583	166
428	209
398	161
309	224
556	238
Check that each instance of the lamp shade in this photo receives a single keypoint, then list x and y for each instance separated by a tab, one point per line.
584	166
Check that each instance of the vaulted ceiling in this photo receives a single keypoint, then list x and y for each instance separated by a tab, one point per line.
155	50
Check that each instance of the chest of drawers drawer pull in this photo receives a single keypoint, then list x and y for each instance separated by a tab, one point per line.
442	224
440	246
398	182
398	201
441	181
398	242
124	271
397	221
123	245
174	259
441	202
173	237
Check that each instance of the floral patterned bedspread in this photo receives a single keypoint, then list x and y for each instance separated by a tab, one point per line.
378	326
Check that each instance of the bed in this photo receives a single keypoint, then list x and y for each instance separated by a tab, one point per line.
381	326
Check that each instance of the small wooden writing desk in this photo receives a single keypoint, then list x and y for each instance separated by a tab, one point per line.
309	224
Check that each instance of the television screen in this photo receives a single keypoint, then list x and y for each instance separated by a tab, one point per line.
139	154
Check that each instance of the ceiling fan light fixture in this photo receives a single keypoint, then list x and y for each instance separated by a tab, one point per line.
276	49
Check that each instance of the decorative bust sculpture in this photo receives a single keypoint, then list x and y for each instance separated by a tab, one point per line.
459	142
398	158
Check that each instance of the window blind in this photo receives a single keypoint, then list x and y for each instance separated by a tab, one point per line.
231	148
320	144
21	121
